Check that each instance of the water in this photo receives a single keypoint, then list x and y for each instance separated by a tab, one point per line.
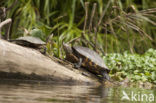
13	91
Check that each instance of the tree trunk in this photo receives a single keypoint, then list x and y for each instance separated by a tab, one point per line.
26	63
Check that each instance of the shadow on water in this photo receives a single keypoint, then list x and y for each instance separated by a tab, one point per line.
13	91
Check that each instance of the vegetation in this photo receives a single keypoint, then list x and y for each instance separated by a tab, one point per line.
133	66
109	27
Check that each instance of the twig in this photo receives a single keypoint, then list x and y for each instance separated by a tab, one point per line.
103	13
86	42
11	6
7	30
86	17
71	41
112	29
85	22
129	43
5	22
153	10
92	16
2	13
3	10
48	39
106	38
95	45
99	22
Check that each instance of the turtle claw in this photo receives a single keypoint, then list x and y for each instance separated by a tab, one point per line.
105	76
45	51
77	66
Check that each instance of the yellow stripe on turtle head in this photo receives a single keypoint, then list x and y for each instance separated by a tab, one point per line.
90	63
86	60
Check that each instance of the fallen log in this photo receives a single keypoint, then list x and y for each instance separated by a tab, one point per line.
17	61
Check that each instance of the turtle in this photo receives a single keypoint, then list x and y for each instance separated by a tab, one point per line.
30	41
87	58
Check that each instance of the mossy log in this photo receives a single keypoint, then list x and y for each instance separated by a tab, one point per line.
26	63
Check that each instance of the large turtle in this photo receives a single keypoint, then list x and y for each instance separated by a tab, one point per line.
29	41
88	59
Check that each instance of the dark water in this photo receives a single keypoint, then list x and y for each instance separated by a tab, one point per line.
12	91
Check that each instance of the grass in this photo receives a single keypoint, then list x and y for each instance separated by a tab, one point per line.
120	25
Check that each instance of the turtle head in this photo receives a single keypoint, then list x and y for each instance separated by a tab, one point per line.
67	48
69	53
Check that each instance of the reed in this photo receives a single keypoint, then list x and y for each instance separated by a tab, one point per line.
116	25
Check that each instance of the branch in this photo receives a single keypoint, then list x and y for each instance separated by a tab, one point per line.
5	22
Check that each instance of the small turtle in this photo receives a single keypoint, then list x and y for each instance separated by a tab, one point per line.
88	59
32	42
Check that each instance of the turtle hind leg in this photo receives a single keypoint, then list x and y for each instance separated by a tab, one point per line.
78	65
43	50
105	75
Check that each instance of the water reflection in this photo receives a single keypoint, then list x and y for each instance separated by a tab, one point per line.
45	92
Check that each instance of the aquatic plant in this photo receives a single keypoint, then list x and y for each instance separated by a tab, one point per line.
133	66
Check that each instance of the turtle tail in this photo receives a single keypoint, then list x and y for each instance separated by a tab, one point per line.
105	75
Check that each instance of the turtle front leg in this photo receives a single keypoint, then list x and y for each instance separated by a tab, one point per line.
78	65
44	50
105	75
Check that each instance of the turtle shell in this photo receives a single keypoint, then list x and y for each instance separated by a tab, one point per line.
29	41
90	59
